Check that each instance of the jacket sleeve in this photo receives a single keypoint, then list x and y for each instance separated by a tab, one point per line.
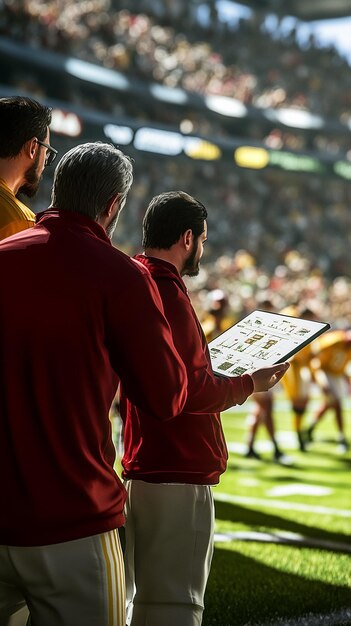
207	393
152	374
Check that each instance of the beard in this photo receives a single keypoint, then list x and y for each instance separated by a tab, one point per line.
31	180
191	266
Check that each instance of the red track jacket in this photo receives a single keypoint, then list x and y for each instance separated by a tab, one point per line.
189	448
76	315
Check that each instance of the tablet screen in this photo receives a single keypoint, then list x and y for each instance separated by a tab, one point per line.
261	338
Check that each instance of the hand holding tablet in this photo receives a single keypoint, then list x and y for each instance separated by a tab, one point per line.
266	377
261	339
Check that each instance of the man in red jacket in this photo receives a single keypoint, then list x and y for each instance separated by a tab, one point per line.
77	316
169	466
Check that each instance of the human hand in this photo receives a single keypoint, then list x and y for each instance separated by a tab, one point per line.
266	377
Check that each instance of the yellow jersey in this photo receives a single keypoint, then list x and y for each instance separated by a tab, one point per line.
297	379
14	215
332	352
213	328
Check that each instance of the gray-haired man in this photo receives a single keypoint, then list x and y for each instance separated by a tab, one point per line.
60	364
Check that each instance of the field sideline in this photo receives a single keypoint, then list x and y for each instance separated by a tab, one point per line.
283	531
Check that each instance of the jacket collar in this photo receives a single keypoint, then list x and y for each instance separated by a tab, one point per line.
159	268
60	217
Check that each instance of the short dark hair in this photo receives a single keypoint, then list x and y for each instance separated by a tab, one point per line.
168	216
21	119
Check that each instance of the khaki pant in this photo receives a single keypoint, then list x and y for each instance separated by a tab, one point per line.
76	583
169	547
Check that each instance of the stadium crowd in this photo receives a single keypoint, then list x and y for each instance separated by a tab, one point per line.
273	215
242	60
187	119
268	213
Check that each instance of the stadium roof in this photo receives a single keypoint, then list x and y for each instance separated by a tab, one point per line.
305	10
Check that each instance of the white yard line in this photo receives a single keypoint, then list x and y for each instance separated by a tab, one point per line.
279	504
286	538
298	489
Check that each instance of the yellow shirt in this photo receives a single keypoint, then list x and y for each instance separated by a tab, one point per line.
213	329
332	353
297	379
14	215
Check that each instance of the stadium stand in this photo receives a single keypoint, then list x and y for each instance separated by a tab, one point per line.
244	62
271	214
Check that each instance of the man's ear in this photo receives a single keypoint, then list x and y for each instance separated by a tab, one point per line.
187	238
112	204
111	209
30	148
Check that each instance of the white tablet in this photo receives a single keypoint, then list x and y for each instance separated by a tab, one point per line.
261	338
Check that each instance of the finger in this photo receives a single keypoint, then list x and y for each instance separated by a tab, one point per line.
280	367
285	366
277	376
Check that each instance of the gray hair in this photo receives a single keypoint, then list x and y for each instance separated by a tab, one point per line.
88	176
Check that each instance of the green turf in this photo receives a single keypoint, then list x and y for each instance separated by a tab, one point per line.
252	583
255	583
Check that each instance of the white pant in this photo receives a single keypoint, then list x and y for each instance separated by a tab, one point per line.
335	383
169	547
76	583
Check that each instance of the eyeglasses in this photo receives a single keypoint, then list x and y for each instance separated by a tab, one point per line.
50	154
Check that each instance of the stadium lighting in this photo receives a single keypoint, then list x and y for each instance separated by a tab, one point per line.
166	94
158	141
197	148
65	123
251	157
231	107
119	134
343	169
295	162
295	118
97	75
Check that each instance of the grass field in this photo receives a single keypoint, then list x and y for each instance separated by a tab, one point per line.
283	531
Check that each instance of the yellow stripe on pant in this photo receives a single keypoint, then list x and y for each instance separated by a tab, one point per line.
112	551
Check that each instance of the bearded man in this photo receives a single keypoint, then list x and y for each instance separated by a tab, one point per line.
170	466
24	152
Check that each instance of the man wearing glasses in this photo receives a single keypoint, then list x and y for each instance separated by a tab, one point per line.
24	152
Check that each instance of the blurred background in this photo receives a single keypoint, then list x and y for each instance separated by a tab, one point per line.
245	106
